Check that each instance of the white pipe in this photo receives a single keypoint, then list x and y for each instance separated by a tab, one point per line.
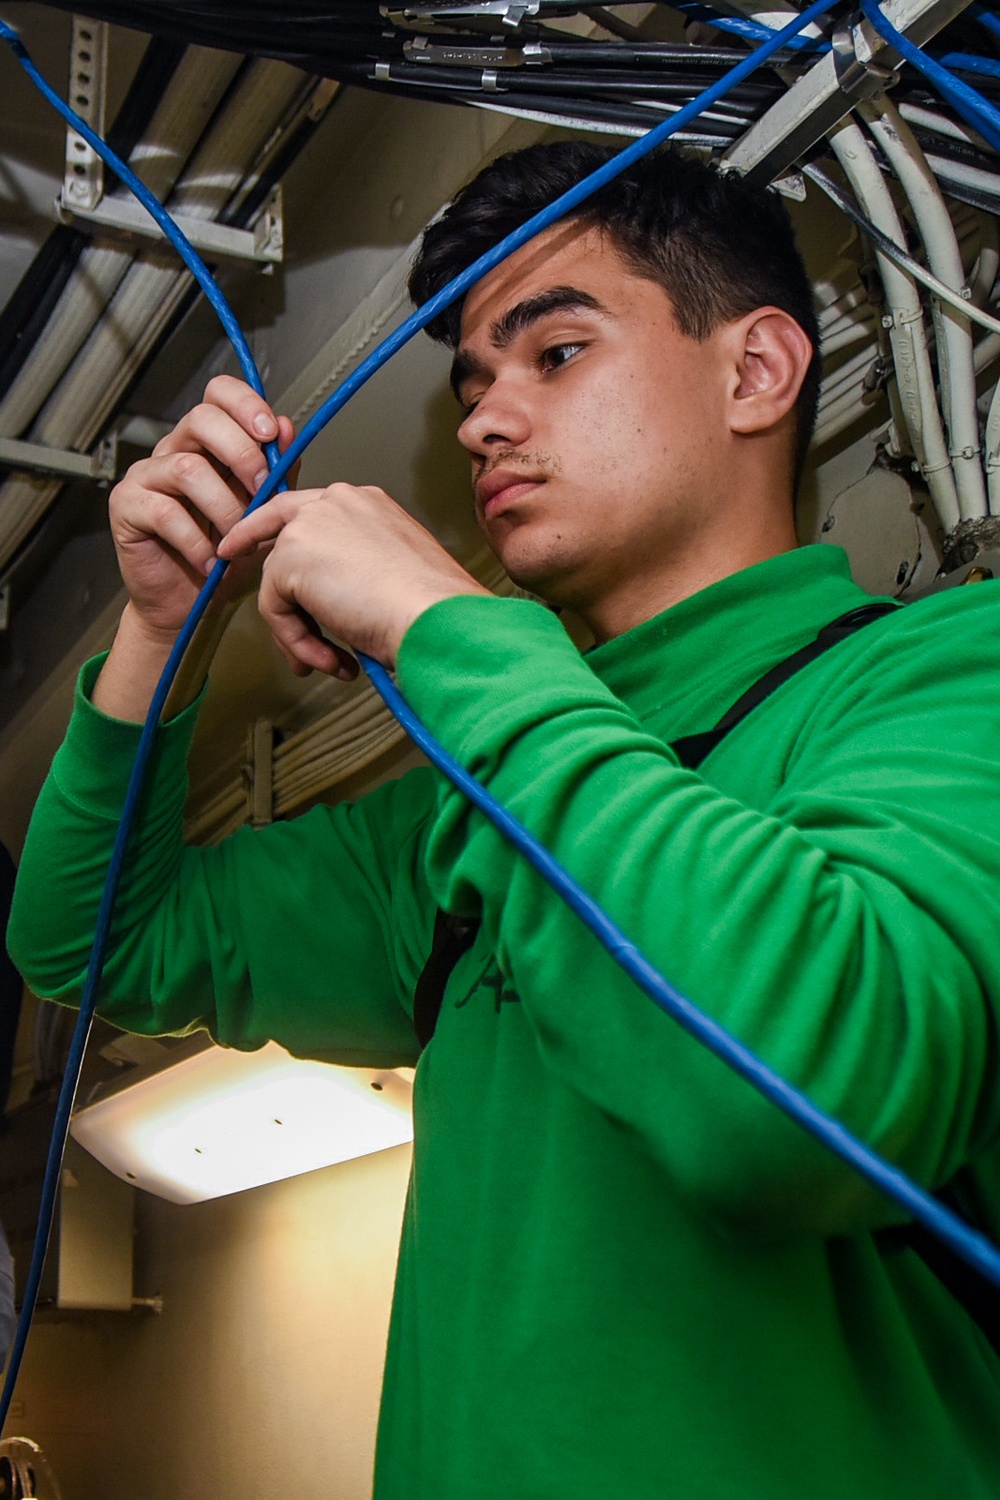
984	272
844	336
147	295
917	114
965	176
844	302
192	97
993	452
954	332
851	373
907	335
987	350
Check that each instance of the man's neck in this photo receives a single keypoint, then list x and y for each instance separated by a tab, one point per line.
638	599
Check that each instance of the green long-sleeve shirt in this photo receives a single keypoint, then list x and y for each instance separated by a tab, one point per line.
622	1273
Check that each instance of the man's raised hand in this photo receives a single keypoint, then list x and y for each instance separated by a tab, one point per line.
171	509
167	516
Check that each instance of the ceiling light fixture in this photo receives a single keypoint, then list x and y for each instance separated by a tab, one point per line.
219	1121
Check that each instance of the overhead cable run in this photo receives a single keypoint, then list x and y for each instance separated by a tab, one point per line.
906	154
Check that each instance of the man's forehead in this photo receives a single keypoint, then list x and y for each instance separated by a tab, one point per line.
537	267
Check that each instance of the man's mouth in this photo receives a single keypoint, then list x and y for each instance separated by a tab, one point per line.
500	488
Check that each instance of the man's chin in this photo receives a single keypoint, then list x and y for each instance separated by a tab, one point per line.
543	575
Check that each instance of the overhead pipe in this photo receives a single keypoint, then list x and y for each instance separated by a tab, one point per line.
149	291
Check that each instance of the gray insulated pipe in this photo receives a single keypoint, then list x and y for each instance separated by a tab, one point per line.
118	303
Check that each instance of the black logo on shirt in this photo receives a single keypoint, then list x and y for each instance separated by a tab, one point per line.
492	981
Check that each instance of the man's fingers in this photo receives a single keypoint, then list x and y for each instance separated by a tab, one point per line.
229	426
187	477
262	525
208	431
299	640
247	409
172	523
297	635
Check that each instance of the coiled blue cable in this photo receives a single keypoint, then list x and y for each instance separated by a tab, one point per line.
974	1247
978	112
970	62
987	19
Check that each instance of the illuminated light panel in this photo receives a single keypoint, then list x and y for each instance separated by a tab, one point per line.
222	1121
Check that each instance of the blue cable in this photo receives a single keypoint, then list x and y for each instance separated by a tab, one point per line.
81	1033
974	1247
978	112
986	19
741	26
969	62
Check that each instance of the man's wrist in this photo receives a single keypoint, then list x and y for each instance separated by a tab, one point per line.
129	676
421	604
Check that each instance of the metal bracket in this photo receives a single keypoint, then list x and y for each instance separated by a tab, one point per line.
879	371
793	186
258	773
509	12
83	182
422	49
817	101
263	243
101	465
854	73
81	201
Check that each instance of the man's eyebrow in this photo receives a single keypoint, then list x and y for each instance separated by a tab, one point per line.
516	319
523	314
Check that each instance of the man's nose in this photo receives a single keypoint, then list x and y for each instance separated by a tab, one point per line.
500	418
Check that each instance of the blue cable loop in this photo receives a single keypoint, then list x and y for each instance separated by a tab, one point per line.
986	19
973	1246
977	111
970	62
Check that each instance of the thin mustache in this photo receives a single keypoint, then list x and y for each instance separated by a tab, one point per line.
541	464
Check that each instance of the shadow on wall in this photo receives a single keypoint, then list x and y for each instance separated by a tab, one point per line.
263	1371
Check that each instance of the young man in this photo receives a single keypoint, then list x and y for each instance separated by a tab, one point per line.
622	1272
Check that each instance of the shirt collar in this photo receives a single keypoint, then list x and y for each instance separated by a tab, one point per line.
696	658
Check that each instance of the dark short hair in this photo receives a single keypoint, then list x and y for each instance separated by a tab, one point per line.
718	247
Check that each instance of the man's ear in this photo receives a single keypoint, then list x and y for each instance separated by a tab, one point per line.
771	356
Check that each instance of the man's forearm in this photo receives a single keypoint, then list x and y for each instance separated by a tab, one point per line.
125	687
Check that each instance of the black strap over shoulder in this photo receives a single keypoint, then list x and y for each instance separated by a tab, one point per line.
975	1294
693	748
453	936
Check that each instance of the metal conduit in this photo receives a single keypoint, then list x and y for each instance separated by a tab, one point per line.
148	293
953	332
908	337
198	85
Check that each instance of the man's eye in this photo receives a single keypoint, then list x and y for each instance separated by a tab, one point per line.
558	354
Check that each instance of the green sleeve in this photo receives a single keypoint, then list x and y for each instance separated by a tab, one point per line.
310	932
845	931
